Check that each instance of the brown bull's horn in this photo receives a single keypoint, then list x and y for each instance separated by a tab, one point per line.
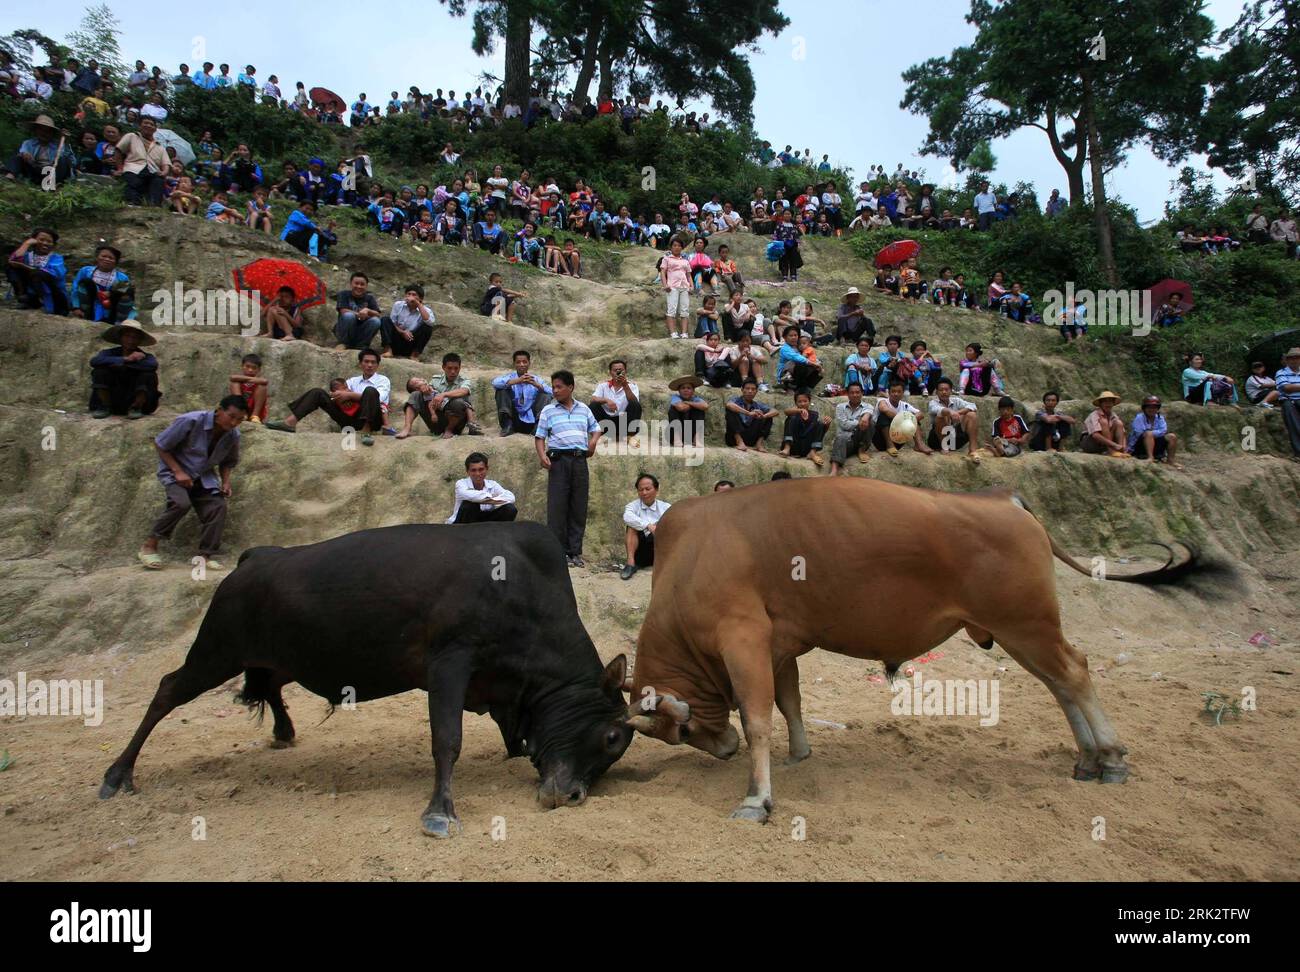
627	683
680	711
642	723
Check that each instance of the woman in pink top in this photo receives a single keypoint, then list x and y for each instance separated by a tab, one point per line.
675	275
702	267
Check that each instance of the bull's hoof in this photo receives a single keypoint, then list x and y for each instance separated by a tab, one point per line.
756	814
1114	774
1086	774
111	785
281	743
439	825
798	757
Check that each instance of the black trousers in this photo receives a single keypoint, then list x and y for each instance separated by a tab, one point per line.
208	506
121	386
23	169
803	436
685	427
615	427
644	555
143	186
804	376
470	513
1291	416
566	500
30	288
401	347
718	375
748	432
318	398
438	422
508	417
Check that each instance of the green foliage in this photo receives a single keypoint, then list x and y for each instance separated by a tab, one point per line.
273	134
97	37
6	761
1217	705
981	159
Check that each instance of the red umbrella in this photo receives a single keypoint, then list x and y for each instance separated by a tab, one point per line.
267	276
897	252
1160	293
327	99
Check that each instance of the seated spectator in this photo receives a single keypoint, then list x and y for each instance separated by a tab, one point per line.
706	318
641	516
921	371
860	366
702	268
1201	387
183	200
528	247
714	361
749	421
887	280
1261	390
1016	304
443	402
487	234
804	429
1287	381
409	325
565	260
1150	438
749	361
853	427
686	411
251	387
890	407
47	147
281	318
1170	312
1074	321
852	322
888	362
196	454
1103	432
520	397
102	292
220	210
979	376
479	499
949	411
359	317
38	275
658	233
301	232
423	229
616	405
389	218
88	160
124	379
996	290
793	368
735	316
499	301
358	403
240	172
1050	426
1010	434
943	290
724	269
259	213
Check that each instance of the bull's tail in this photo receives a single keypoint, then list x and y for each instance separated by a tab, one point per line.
1170	572
256	692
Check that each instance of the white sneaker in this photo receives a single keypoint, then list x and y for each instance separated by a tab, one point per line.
762	386
673	335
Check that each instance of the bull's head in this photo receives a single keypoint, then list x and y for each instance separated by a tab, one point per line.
668	719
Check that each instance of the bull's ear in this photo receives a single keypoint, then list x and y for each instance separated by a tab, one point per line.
615	673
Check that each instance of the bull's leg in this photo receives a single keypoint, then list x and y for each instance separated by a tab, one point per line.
1044	652
749	666
175	689
448	682
789	702
282	731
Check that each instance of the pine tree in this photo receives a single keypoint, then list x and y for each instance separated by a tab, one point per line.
97	38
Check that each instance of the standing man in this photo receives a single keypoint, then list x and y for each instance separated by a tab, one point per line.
520	396
641	517
986	205
195	456
479	499
853	422
616	405
565	439
1288	390
359	403
359	317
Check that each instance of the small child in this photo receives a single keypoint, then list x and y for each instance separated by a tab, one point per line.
499	301
350	408
259	213
707	321
252	386
183	200
806	348
219	210
1010	433
910	281
726	270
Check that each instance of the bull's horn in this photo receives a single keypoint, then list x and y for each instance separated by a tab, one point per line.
642	723
627	684
680	711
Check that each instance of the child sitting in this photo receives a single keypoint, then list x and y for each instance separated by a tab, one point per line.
252	387
979	377
424	230
707	321
259	213
1010	433
910	281
499	301
183	200
219	210
282	320
1261	388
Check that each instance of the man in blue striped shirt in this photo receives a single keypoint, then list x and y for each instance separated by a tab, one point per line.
1288	390
566	437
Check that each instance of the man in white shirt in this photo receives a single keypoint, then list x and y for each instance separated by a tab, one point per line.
359	403
642	519
616	405
947	410
272	87
479	499
985	205
888	408
511	111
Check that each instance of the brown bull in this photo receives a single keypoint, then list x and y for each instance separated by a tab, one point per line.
945	559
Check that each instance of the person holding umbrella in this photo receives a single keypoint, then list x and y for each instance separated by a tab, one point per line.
47	147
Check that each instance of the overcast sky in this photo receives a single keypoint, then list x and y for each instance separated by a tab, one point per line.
819	85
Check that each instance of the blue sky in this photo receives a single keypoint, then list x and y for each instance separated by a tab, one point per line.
835	99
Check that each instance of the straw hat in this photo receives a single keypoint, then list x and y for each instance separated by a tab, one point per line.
114	334
677	384
1104	396
45	121
852	292
1293	353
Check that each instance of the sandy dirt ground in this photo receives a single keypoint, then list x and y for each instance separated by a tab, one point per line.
883	796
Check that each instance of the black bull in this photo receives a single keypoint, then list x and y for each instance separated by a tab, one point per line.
481	616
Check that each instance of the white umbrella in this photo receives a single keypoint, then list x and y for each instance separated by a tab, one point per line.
169	139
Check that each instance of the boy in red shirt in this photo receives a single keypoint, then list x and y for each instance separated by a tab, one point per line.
1010	432
252	386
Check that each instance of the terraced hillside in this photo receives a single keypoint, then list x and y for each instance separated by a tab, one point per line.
78	496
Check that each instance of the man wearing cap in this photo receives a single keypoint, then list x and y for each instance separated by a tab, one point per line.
852	321
686	411
641	517
124	379
101	292
1103	432
46	145
195	456
143	163
1149	437
1288	390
